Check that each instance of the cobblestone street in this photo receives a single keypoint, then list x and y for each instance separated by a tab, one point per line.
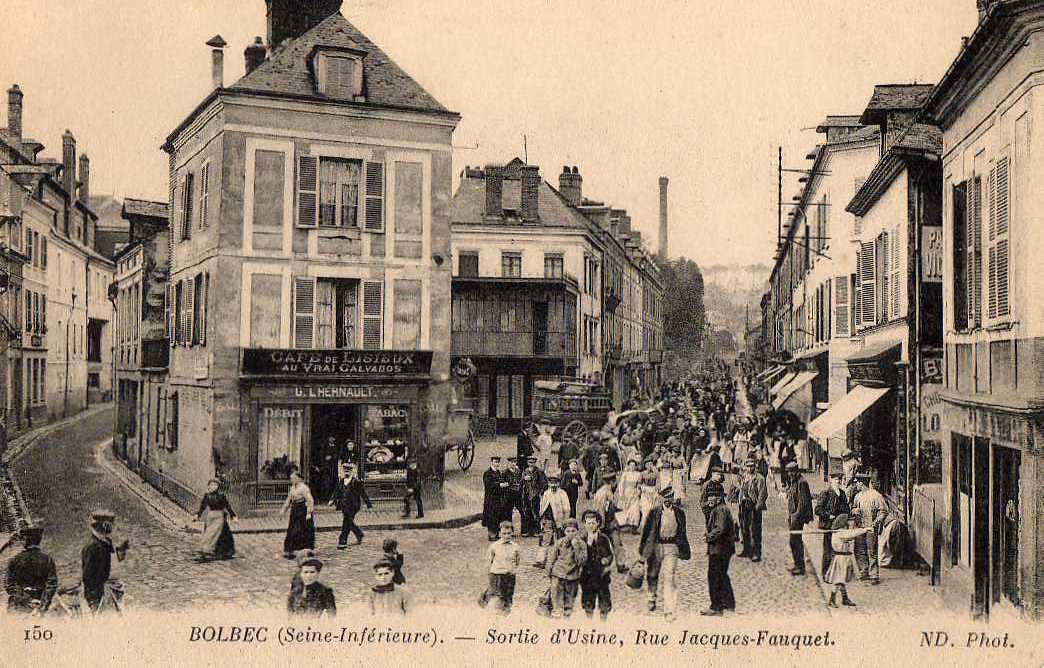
62	482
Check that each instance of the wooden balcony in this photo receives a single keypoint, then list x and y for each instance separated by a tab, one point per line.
515	344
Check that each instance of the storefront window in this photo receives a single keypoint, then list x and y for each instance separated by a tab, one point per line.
279	441
386	435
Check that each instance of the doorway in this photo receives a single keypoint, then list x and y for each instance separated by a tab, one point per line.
334	438
1005	534
981	524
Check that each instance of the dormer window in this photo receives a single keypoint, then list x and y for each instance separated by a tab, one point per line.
339	74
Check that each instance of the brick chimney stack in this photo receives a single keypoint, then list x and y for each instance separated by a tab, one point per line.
494	190
14	112
289	19
85	179
217	50
530	192
69	163
663	217
571	185
254	55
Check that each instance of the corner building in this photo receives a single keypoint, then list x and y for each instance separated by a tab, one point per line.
309	298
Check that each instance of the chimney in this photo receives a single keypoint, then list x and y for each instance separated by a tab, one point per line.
625	225
69	163
217	46
570	184
85	179
530	192
289	19
254	55
494	191
14	112
663	217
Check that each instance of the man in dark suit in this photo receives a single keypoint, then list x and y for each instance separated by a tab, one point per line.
721	543
534	482
96	557
413	491
31	575
664	542
799	513
494	484
830	503
349	497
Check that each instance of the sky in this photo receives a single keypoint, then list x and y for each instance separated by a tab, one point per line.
701	92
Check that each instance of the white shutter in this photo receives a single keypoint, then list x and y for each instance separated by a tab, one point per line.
304	311
204	194
171	316
867	284
307	187
205	291
373	314
998	253
895	272
974	254
188	299
375	197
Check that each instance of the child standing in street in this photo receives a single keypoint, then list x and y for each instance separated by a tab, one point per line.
384	597
565	559
395	558
547	539
843	566
503	558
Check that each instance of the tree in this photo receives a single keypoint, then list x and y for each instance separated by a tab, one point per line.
683	305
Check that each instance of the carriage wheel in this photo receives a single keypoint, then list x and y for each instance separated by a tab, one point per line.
466	452
575	430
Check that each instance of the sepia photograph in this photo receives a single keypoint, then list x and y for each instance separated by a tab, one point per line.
390	332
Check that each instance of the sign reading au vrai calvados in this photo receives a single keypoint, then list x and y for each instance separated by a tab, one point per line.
337	363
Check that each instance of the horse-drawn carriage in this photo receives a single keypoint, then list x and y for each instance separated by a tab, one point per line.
575	407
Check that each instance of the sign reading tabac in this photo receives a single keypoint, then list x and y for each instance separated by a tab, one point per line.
336	363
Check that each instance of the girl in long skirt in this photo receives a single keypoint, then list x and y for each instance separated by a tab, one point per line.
678	471
648	490
630	496
300	533
215	512
843	566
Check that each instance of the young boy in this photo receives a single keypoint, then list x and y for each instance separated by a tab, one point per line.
594	575
564	560
308	596
385	598
395	558
503	558
547	539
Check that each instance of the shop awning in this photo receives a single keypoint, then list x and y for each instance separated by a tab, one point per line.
782	383
875	353
799	381
837	417
768	374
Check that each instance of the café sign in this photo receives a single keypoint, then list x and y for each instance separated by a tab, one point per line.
304	364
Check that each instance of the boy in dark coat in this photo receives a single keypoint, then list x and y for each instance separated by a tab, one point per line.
595	573
413	491
31	575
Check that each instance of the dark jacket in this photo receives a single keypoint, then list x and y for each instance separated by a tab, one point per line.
651	533
30	575
96	562
493	500
397	560
534	482
721	531
350	496
316	599
799	504
571	483
830	504
215	501
596	569
754	491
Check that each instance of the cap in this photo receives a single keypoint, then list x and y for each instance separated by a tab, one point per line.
552	478
384	563
495	458
571	522
792	466
103	515
309	560
750	461
667	493
531	459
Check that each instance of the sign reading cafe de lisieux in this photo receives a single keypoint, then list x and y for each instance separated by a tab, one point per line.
336	363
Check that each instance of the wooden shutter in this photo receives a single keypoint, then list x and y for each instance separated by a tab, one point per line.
998	252
867	284
974	254
307	187
188	319
960	249
374	197
894	263
205	277
171	316
373	314
304	311
186	211
204	194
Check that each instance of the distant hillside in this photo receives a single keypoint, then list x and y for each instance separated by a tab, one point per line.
728	289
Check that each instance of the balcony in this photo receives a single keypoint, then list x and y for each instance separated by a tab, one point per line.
514	344
567	281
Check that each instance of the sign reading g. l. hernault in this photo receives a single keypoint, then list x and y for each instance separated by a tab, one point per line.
336	363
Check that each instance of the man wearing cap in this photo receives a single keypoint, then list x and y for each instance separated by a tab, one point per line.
31	575
799	513
830	503
494	485
721	544
603	469
96	557
534	482
873	509
662	544
604	502
554	502
753	494
571	482
308	596
849	469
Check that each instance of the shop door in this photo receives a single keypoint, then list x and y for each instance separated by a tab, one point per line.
1006	464
960	497
511	403
16	390
333	426
981	522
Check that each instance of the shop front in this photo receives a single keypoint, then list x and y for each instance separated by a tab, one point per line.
875	434
315	411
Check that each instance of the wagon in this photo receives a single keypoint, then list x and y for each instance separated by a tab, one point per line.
460	436
574	406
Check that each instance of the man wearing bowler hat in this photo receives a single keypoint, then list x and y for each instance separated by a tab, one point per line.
96	557
721	541
663	543
32	577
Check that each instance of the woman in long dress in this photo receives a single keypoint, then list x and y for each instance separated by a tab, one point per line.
648	489
300	532
215	512
630	497
678	470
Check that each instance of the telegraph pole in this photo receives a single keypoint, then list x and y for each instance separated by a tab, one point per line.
779	208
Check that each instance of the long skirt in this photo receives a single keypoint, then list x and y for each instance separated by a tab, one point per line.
678	483
649	499
217	538
842	569
631	515
300	533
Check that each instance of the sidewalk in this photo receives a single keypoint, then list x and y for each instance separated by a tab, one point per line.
463	490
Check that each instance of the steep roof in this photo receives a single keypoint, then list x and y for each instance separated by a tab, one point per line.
288	70
838	122
469	205
143	207
920	141
894	97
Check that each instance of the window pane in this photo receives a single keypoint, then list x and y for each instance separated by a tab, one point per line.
279	441
468	264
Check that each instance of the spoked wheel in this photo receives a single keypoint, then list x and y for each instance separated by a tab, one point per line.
466	452
575	430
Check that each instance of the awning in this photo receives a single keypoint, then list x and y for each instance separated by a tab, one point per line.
800	380
837	417
874	353
782	382
768	374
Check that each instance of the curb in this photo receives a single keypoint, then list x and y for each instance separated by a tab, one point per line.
181	521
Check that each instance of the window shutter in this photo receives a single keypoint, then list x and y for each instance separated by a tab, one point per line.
307	187
974	255
186	209
374	197
373	314
304	312
171	316
204	194
203	308
867	284
998	254
188	319
841	306
895	272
